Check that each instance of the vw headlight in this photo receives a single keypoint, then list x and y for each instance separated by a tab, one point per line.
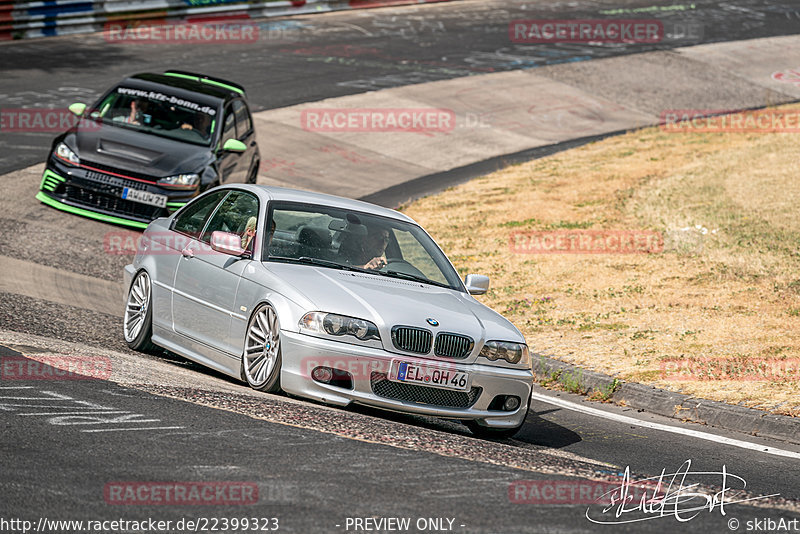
333	325
183	181
65	153
506	351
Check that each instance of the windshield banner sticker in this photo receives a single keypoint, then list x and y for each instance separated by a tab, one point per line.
161	97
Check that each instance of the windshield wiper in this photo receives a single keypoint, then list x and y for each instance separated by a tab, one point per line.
317	261
414	277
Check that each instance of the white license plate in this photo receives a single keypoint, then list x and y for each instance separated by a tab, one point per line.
429	375
144	197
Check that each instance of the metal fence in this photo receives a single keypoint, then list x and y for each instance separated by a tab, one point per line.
24	20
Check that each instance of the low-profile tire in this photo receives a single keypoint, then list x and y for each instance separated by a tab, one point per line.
486	432
492	433
137	322
261	360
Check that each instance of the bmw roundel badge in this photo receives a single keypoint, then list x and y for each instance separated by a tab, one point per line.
432	322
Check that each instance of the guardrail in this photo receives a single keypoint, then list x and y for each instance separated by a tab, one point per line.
25	20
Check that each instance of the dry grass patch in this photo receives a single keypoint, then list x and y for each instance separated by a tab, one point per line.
727	285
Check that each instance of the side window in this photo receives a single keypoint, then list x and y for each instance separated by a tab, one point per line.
243	124
229	128
192	219
236	215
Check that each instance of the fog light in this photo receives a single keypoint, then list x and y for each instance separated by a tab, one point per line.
322	374
333	377
511	404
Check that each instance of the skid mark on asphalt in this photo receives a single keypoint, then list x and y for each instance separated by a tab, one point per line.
665	428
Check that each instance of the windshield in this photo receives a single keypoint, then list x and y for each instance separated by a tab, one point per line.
344	239
158	113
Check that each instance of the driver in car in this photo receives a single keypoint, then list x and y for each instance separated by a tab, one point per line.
369	253
200	124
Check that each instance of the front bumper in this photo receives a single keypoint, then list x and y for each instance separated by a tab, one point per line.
97	193
301	353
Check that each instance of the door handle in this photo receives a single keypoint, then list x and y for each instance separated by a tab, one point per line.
187	252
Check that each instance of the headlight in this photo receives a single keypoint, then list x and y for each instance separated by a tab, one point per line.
180	180
513	353
331	324
65	153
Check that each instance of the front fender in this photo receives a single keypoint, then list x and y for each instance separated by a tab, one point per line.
249	296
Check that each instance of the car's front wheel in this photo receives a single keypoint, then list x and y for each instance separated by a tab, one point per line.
137	324
261	361
486	432
491	433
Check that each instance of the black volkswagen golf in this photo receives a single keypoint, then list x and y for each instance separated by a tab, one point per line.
149	145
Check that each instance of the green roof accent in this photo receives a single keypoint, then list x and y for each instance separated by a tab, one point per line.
203	80
43	197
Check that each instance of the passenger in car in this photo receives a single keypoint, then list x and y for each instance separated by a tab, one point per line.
138	111
249	234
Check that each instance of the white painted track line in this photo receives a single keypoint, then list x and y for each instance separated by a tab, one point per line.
567	405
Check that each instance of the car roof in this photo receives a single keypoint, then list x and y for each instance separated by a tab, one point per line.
284	194
189	83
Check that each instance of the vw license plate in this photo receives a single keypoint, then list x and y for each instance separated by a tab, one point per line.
428	375
144	197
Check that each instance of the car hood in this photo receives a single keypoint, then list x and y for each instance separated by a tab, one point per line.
389	302
137	152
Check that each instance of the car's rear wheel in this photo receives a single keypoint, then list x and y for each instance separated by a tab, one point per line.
261	361
137	324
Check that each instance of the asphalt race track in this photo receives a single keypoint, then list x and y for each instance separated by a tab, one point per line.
66	444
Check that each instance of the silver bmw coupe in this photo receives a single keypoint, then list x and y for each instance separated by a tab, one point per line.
326	298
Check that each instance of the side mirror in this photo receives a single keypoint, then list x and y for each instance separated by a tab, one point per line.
477	284
227	243
234	145
77	108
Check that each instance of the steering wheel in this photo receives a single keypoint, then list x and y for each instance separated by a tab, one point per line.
402	266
